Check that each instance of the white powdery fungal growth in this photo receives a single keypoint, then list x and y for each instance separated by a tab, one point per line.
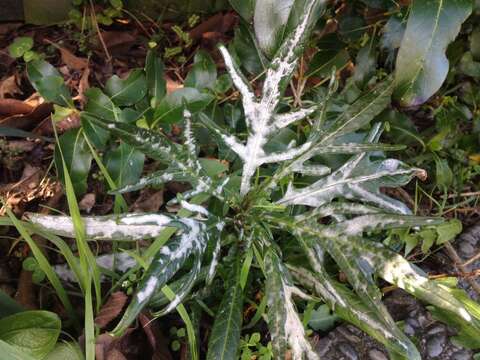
121	262
260	114
130	227
147	292
294	330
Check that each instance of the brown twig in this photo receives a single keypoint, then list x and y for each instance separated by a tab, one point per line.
458	264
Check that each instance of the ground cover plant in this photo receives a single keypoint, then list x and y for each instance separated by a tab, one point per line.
279	193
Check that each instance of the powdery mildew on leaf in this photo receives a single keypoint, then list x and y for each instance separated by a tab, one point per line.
260	114
285	325
131	227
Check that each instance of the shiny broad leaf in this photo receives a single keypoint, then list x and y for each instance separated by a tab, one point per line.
165	264
100	105
78	158
34	333
95	134
286	328
48	82
126	92
171	108
124	164
225	336
422	65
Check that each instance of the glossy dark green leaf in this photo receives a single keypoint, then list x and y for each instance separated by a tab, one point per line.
8	306
246	49
100	105
78	158
124	164
244	8
203	73
95	134
32	332
170	110
224	340
421	63
48	82
156	83
126	92
324	60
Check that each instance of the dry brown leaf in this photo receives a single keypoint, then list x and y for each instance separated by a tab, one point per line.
30	120
148	201
111	309
72	61
87	202
155	337
172	85
83	84
9	107
9	86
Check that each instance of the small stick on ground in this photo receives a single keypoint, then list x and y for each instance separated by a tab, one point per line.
461	267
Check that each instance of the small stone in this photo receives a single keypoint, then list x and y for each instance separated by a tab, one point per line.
407	329
348	351
413	323
323	346
435	345
436	330
462	355
375	354
466	249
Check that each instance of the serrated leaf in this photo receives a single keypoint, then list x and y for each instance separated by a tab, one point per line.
224	340
422	65
359	179
286	328
77	156
32	332
48	82
183	165
126	92
164	266
361	112
156	83
350	307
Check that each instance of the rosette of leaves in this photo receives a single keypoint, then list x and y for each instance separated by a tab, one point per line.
328	208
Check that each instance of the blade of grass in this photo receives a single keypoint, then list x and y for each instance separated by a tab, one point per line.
192	342
120	205
44	265
87	261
